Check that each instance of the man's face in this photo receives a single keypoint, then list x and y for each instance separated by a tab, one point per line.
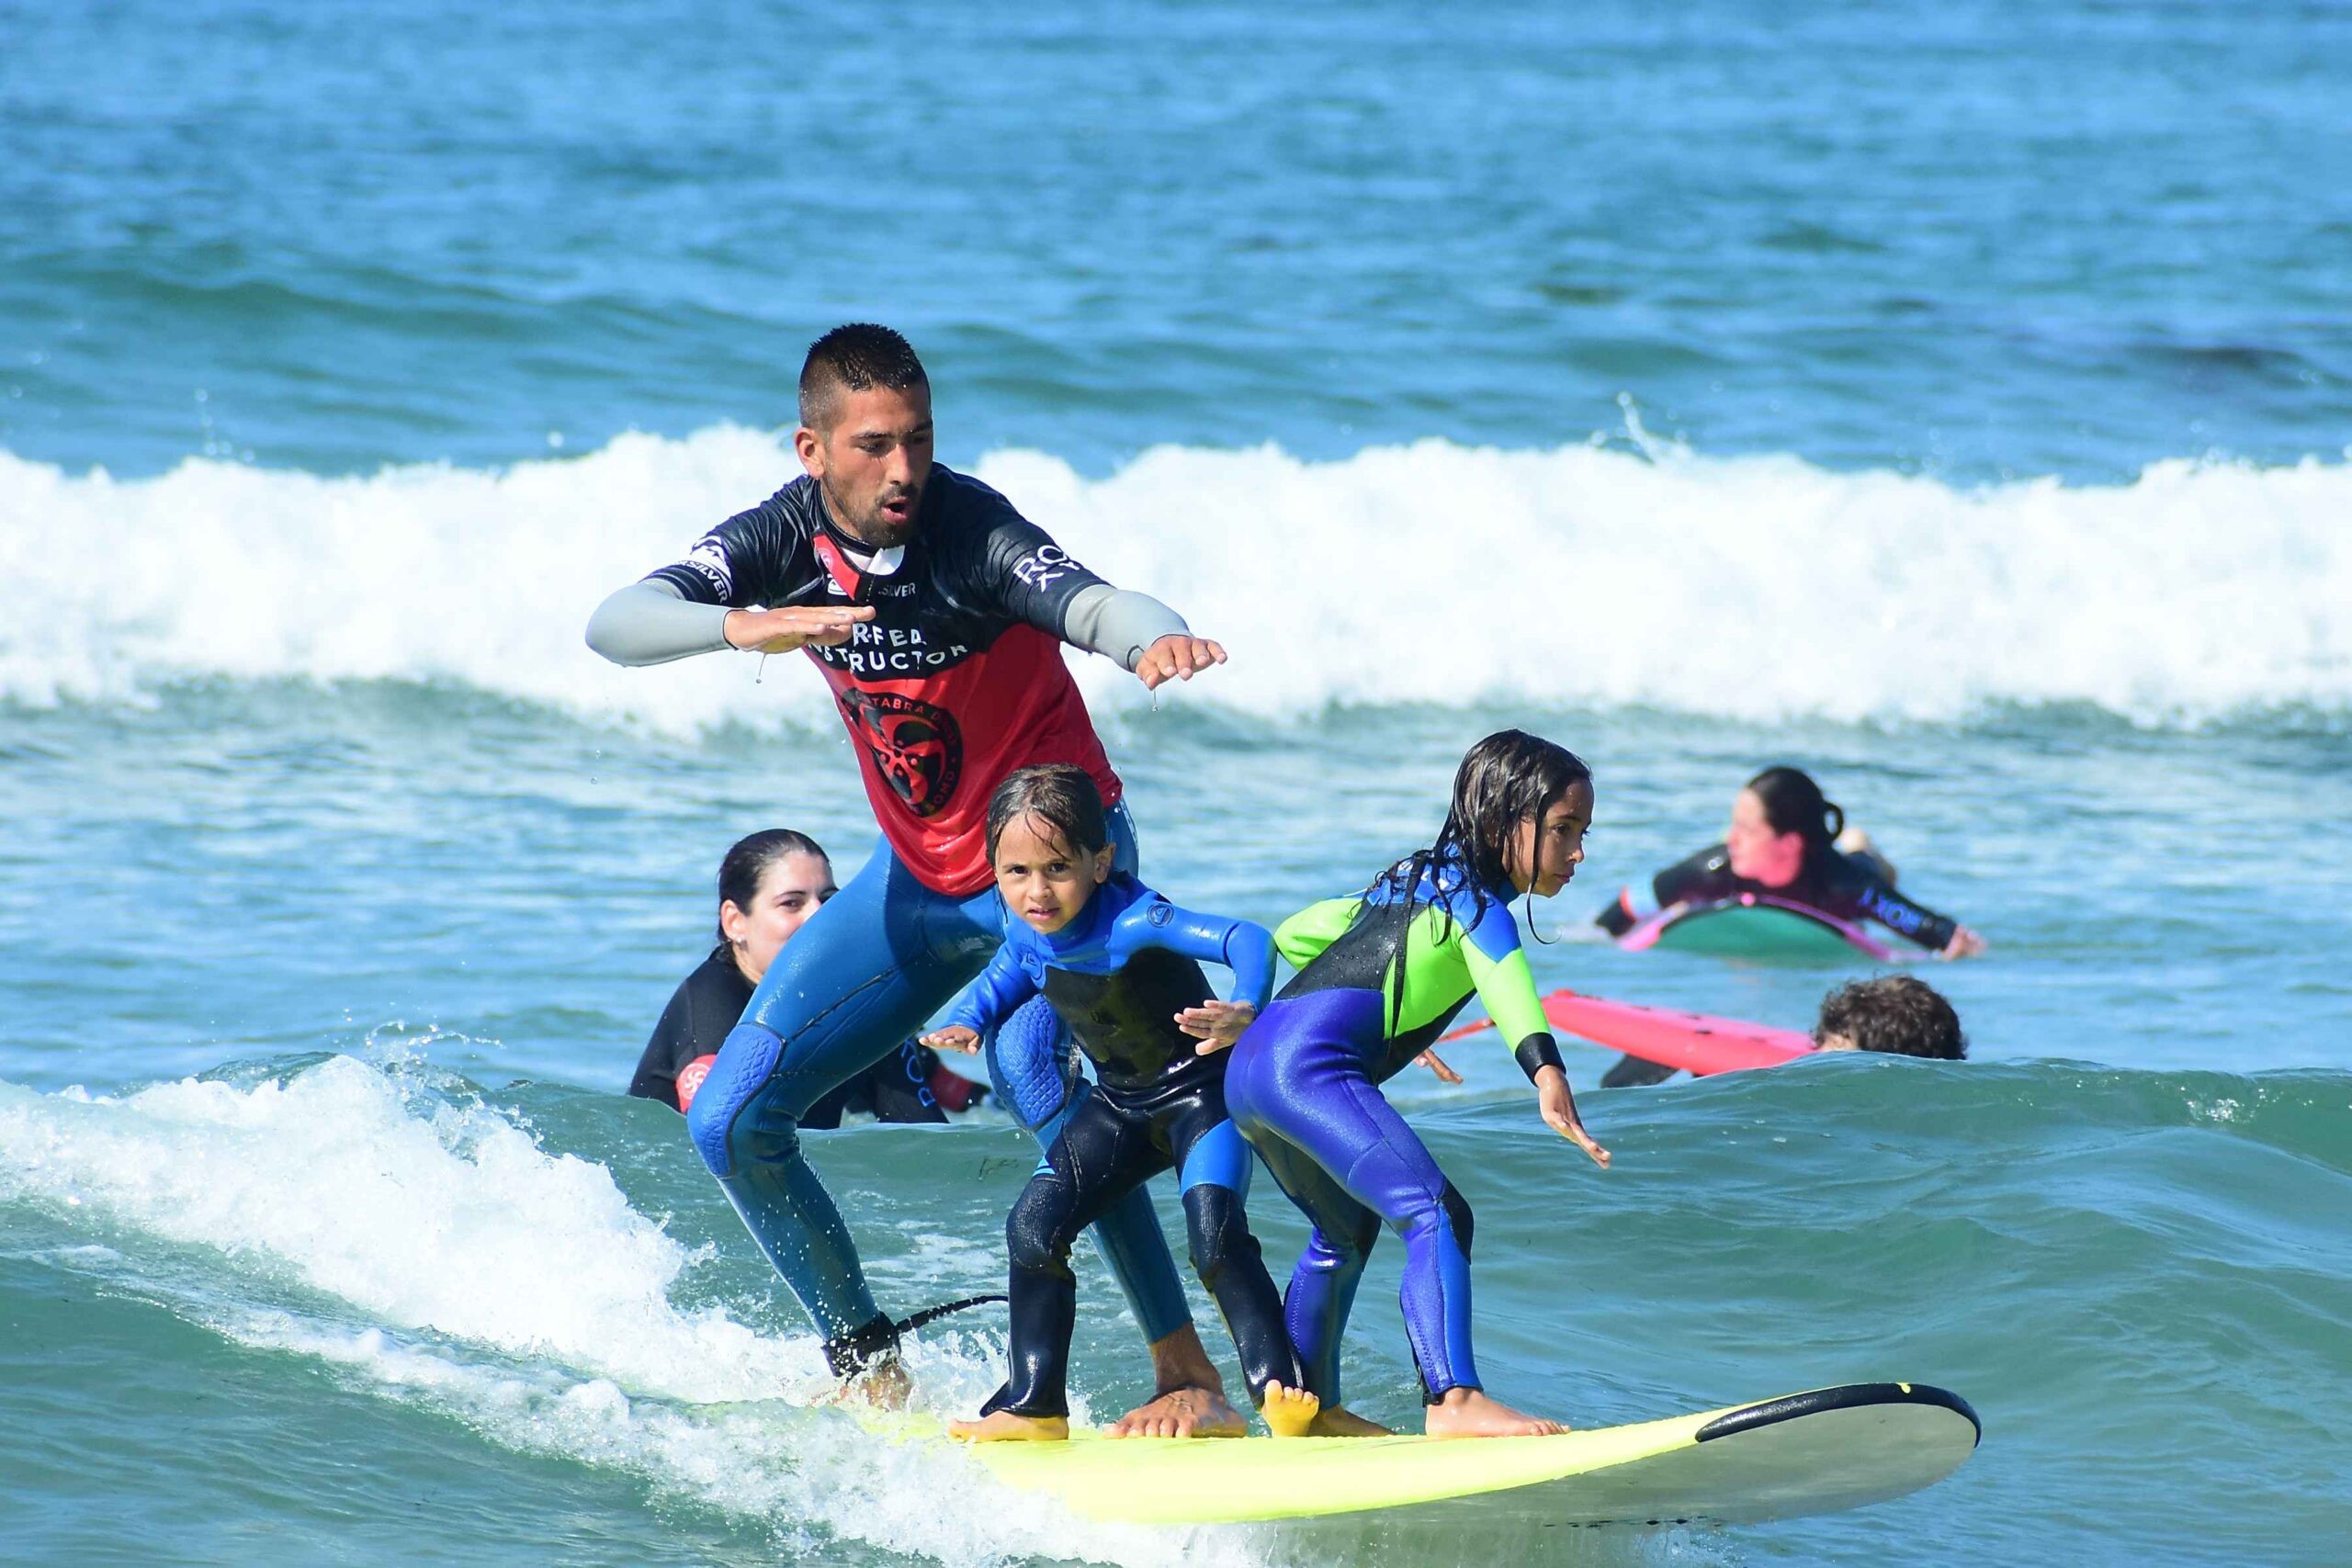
873	462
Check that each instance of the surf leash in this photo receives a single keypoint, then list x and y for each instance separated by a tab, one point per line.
930	1314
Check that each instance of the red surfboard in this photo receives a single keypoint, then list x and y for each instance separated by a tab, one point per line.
1693	1042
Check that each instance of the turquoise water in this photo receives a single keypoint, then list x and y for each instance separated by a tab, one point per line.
1954	402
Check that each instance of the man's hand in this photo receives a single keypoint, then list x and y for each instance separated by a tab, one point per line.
955	1037
783	629
1436	1063
1559	1108
1176	657
1220	1022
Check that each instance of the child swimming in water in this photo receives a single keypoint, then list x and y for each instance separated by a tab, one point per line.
1121	966
1380	975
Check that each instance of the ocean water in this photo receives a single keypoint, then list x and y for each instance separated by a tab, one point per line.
1953	401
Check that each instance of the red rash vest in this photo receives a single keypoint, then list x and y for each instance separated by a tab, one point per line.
957	680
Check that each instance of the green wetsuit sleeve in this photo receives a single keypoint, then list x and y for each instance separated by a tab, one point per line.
1506	985
1313	928
1507	990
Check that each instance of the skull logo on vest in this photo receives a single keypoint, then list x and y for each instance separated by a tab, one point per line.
916	747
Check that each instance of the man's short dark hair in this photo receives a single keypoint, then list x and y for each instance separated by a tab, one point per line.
858	358
1894	1013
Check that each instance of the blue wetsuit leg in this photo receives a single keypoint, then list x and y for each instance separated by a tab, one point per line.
1035	1069
868	969
1298	1086
1322	1291
1214	1163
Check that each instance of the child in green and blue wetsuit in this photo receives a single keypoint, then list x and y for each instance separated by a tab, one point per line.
1121	966
1380	975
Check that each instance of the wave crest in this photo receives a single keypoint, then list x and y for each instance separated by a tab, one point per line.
1760	587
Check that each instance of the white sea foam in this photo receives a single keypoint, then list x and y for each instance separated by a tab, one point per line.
469	1271
1759	586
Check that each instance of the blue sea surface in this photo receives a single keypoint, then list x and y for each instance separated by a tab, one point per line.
2004	239
1956	401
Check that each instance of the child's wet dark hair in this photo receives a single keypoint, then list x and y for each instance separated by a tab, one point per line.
747	862
1896	1014
1793	803
1504	780
1061	797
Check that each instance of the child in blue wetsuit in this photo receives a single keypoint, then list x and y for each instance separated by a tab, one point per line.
1380	975
1122	967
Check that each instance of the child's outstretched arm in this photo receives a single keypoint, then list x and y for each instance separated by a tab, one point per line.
1506	985
1242	946
991	997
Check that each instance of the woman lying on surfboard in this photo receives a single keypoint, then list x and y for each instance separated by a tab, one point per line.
1122	967
1784	840
1381	973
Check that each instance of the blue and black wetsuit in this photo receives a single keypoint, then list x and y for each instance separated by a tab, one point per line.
1117	974
1381	976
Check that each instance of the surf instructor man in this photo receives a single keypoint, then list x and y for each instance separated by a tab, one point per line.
935	613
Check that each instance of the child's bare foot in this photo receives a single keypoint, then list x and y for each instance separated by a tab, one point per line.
1184	1413
1339	1421
1466	1412
1290	1412
1004	1427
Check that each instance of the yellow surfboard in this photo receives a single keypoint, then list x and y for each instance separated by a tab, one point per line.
1805	1453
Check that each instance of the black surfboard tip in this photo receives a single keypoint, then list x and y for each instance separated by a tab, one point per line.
1845	1396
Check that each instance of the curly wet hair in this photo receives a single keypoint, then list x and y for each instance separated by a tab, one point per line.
1895	1014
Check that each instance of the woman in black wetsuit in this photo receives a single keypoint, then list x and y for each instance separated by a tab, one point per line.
768	885
1783	841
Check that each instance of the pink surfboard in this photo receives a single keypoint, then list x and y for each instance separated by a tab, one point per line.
1692	1041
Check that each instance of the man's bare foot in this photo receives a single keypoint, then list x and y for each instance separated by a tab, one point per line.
1190	1402
884	1385
1184	1413
1290	1412
1339	1421
1466	1412
1181	1361
1004	1427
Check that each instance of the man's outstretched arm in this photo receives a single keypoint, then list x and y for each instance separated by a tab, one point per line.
1138	632
651	623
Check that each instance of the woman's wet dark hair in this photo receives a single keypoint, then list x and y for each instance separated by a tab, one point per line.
748	862
1061	797
1793	803
1896	1014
